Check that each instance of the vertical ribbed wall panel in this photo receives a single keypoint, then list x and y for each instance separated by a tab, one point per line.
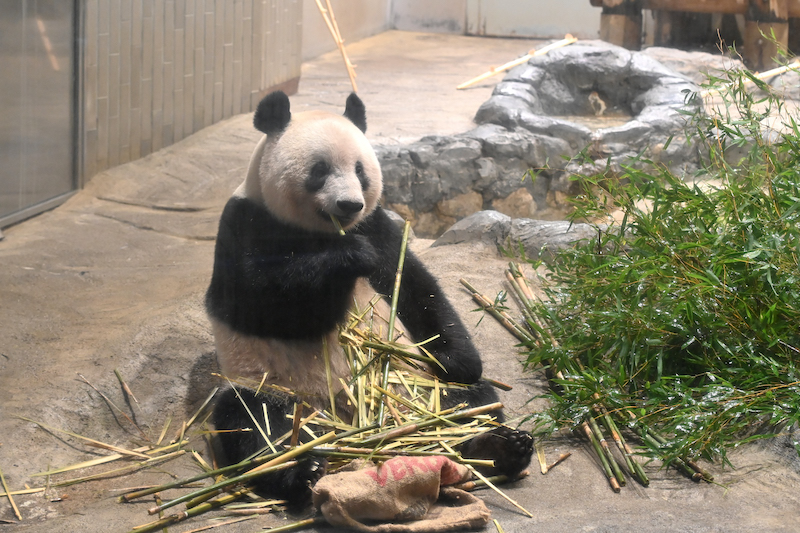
156	71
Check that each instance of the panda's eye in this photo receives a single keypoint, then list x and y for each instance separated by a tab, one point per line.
317	176
362	176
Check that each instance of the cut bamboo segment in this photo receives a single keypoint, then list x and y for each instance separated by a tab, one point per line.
8	495
330	21
567	40
794	65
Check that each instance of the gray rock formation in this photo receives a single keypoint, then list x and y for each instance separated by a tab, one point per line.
537	238
521	157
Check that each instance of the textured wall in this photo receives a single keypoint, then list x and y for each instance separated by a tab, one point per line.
156	71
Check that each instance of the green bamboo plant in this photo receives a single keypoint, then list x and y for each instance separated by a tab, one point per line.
682	316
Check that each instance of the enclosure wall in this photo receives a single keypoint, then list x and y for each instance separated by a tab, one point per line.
155	71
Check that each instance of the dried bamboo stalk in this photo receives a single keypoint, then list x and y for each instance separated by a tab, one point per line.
567	40
330	22
226	522
298	525
152	461
558	461
127	390
87	440
794	65
114	406
540	456
22	492
202	408
8	495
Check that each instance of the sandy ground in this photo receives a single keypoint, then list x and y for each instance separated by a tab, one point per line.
114	279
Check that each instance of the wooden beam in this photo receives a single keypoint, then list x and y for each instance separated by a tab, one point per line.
734	7
763	19
698	6
621	23
663	29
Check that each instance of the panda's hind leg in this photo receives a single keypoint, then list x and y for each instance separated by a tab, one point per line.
510	449
238	439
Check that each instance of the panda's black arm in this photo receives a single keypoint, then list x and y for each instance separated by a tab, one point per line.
422	305
272	280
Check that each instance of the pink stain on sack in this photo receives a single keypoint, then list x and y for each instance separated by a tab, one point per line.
399	467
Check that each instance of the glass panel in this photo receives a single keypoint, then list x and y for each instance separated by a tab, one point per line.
36	100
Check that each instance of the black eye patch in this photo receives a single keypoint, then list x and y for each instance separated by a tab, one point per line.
362	176
318	175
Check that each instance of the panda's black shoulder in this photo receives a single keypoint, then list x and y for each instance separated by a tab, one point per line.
243	217
248	223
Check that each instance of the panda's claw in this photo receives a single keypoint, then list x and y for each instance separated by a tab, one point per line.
299	480
510	449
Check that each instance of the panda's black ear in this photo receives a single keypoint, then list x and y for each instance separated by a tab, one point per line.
272	114
354	110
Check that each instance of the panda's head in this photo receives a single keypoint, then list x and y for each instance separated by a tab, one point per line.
313	165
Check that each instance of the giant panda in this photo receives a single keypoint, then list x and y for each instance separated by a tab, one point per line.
285	277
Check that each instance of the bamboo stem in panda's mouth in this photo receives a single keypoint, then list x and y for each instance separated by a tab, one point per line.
336	223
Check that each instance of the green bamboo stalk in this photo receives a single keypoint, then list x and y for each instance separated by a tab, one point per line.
218	486
399	350
276	463
189	513
630	460
380	456
606	467
413	406
211	473
514	277
509	323
679	463
694	466
607	451
633	465
414	426
393	312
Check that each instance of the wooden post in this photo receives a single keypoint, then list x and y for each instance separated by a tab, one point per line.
765	17
621	23
663	28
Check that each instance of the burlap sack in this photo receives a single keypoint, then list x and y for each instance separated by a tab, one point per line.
405	494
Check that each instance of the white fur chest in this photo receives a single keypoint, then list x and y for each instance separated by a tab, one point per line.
299	365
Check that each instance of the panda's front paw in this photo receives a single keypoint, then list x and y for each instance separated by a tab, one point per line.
510	449
298	481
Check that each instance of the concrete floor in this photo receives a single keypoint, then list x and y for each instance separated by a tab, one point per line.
114	279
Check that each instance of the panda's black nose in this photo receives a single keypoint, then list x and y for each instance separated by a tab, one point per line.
349	207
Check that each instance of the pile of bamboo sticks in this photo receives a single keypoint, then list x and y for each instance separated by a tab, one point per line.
618	461
396	410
